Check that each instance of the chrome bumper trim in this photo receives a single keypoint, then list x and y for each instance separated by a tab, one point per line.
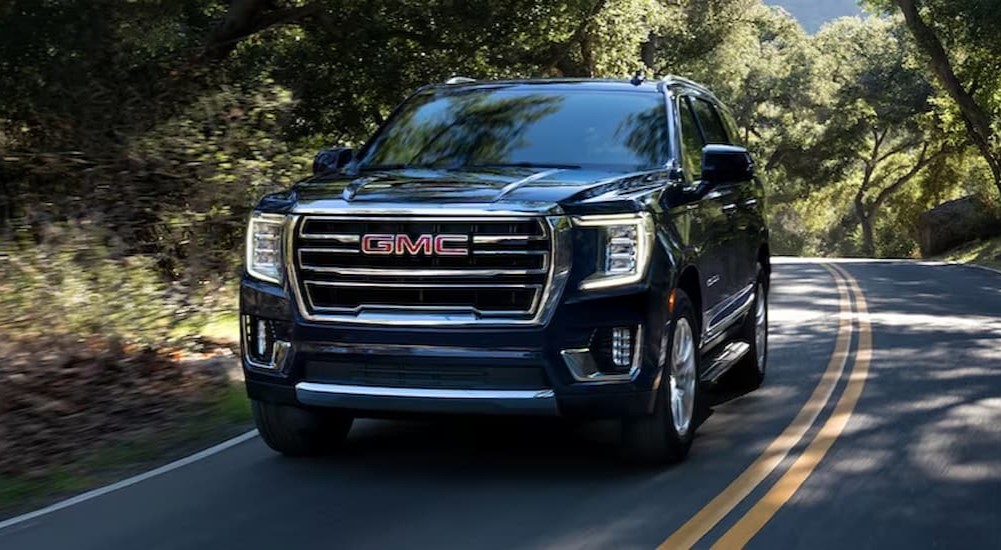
429	400
423	393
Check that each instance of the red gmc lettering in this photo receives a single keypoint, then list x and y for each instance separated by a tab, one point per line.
423	244
438	245
442	248
377	244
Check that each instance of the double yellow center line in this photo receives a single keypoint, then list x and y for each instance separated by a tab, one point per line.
762	511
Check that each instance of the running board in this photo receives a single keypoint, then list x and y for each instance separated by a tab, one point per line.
720	362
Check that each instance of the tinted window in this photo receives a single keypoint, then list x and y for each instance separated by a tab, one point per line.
486	127
732	129
712	125
691	141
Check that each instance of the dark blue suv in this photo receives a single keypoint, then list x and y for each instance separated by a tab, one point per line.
581	248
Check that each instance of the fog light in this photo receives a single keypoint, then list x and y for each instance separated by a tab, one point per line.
622	347
261	345
262	338
611	356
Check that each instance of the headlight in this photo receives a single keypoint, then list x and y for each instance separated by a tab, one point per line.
264	247
625	243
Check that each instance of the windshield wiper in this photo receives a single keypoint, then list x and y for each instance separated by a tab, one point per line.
523	165
401	166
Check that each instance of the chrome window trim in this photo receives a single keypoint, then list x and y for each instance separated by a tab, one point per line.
544	306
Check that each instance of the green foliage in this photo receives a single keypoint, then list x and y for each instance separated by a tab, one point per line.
74	282
986	252
960	44
135	136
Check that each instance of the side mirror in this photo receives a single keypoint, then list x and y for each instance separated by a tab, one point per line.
726	164
329	160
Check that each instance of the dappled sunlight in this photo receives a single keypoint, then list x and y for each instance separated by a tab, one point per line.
924	322
963	444
929	421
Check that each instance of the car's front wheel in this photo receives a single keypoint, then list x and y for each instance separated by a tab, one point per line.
294	431
666	435
750	370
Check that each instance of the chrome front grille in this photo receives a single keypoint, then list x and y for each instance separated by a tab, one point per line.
504	277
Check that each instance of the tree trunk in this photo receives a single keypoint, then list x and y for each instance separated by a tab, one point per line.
564	49
978	122
868	237
864	217
648	53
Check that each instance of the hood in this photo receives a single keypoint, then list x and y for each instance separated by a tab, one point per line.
545	190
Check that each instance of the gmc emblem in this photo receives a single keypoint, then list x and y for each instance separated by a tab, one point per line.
428	245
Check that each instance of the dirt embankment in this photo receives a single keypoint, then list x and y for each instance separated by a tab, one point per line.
63	400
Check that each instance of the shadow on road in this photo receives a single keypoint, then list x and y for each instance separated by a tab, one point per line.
803	326
921	453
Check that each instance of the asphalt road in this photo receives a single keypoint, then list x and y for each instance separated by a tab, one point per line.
898	445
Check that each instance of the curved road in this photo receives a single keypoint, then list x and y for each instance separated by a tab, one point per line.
879	426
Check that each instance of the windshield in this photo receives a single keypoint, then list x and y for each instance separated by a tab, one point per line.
504	127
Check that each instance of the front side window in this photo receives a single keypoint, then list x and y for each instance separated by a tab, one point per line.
495	127
691	141
712	124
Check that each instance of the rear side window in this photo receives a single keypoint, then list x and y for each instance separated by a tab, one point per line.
691	141
711	122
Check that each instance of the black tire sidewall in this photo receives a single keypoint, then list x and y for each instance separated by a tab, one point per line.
759	283
683	307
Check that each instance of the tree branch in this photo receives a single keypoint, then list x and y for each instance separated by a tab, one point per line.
899	149
246	18
978	122
923	161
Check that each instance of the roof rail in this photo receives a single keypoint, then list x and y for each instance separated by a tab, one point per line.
674	79
459	80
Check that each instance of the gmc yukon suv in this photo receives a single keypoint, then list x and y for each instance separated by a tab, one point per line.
579	248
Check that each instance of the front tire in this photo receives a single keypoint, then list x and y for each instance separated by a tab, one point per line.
665	437
750	370
294	431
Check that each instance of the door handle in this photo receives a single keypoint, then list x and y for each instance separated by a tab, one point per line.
729	209
751	203
690	207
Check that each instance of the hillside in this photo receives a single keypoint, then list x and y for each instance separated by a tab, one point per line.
812	14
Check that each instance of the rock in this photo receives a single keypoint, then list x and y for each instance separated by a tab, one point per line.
955	223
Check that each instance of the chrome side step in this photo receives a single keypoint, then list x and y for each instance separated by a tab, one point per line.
723	360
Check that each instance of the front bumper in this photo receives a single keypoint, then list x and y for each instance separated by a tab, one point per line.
502	354
427	400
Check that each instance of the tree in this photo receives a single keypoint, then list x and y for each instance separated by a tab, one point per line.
881	119
959	38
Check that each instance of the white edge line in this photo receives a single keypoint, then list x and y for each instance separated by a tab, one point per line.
977	266
101	491
794	260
